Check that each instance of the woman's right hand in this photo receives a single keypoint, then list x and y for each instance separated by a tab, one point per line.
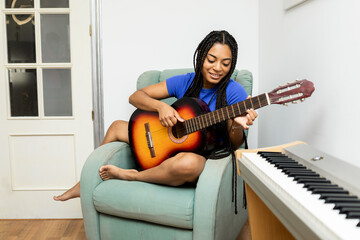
168	116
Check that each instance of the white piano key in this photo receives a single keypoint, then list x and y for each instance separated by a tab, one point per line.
319	214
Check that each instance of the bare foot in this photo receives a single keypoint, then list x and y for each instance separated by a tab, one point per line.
112	172
73	192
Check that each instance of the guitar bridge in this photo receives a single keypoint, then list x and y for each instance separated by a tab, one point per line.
149	140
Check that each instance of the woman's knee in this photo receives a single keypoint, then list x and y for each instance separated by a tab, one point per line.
118	125
118	130
190	164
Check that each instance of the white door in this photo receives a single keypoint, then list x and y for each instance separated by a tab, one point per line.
46	128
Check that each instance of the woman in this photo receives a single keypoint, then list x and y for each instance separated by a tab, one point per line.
214	62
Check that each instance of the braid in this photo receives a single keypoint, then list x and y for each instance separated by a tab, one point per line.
222	37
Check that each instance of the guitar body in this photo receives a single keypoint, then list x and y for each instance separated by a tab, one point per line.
151	143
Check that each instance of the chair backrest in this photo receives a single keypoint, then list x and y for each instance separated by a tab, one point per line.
244	77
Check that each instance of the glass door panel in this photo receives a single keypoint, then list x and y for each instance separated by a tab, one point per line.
20	31
23	92
54	3
19	3
57	92
55	38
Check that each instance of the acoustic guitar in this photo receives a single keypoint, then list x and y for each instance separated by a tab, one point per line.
151	143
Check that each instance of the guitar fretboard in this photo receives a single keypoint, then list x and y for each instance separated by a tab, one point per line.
222	114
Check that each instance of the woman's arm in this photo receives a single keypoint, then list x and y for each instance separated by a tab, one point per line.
148	99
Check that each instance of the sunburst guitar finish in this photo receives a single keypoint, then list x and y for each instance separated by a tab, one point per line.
151	143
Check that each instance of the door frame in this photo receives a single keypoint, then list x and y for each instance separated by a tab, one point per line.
97	71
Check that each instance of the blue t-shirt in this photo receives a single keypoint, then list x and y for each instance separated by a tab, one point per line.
178	85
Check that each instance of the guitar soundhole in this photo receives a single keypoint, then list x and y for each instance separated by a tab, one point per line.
178	131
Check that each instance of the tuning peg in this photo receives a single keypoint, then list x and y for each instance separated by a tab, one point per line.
285	104
303	99
294	102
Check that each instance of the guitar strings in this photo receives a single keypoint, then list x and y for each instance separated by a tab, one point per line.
202	121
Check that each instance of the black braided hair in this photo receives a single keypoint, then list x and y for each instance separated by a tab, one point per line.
222	37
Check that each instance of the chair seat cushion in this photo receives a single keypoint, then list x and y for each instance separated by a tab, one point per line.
170	206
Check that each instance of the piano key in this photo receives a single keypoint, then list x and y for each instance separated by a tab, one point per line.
342	200
349	209
281	161
343	205
296	174
306	185
292	169
299	177
273	154
329	190
313	181
353	215
317	186
299	170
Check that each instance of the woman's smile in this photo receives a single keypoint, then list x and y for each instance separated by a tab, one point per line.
217	65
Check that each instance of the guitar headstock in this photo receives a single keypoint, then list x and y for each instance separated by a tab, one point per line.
291	92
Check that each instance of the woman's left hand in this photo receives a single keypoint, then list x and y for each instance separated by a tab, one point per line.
247	120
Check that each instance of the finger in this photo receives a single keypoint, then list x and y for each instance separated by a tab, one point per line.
173	120
163	123
249	120
169	122
242	121
252	114
179	118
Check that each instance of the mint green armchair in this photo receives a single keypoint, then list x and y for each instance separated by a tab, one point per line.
117	209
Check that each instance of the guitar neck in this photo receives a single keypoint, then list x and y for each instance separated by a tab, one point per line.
223	114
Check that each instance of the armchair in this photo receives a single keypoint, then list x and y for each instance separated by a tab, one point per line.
116	209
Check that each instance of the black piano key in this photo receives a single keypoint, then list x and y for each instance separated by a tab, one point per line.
299	177
329	186
298	174
274	154
287	170
355	215
358	225
344	205
287	165
349	209
281	161
320	180
329	195
300	170
329	190
273	161
342	200
278	158
306	185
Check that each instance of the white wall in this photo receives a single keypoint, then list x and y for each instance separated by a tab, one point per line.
145	35
318	40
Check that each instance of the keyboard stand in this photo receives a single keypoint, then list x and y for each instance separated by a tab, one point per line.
263	223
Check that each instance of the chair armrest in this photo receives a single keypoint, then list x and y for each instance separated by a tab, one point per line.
115	153
213	202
